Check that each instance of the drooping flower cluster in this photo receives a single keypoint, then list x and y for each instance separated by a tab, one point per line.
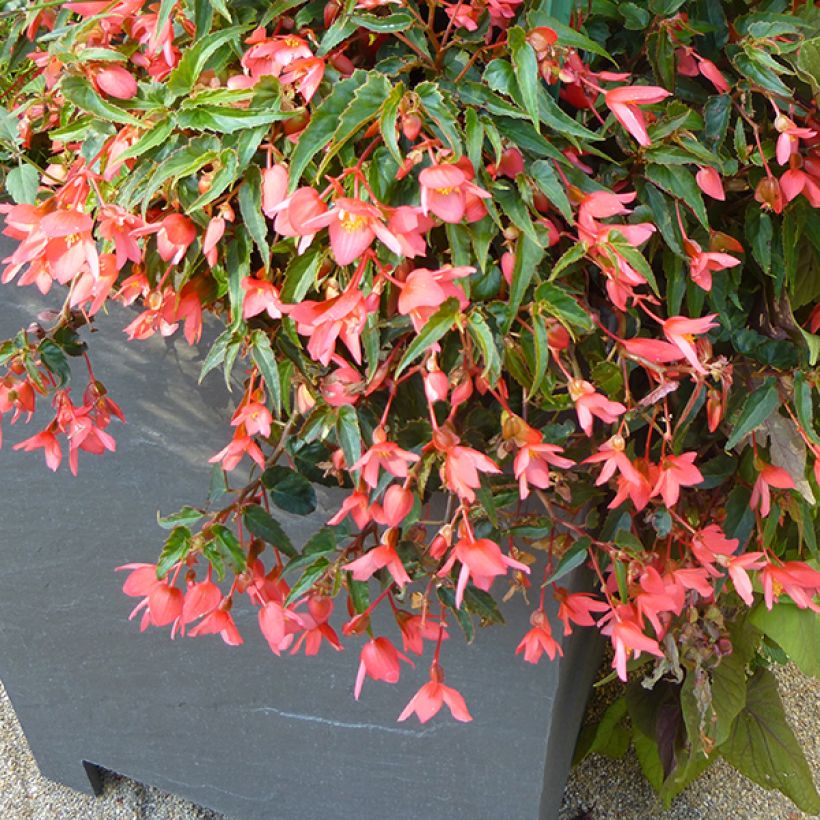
470	278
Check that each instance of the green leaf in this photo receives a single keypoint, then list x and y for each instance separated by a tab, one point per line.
483	604
80	92
387	121
250	206
525	67
540	343
569	257
528	255
227	120
759	233
22	183
483	336
442	112
176	549
763	747
156	135
310	576
437	325
348	433
230	547
716	115
216	355
560	303
55	360
754	67
547	181
399	20
576	555
365	106
195	58
680	183
261	524
756	409
185	516
301	274
289	490
322	125
636	259
795	630
804	406
610	736
263	358
509	201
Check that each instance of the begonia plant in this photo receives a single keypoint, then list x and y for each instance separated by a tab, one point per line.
534	282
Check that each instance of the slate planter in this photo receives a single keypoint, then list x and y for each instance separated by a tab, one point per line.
237	729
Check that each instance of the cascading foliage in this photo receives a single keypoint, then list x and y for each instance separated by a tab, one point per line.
553	265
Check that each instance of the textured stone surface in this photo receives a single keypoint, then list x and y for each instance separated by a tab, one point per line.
236	729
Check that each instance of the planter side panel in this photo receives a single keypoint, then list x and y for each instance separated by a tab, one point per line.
236	729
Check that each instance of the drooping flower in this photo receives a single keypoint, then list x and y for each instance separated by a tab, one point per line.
789	140
461	468
316	627
539	640
681	332
623	102
627	637
379	660
384	454
768	477
445	189
611	454
795	578
116	81
532	463
424	291
415	630
676	472
481	561
261	296
428	701
353	225
379	557
577	608
589	403
709	182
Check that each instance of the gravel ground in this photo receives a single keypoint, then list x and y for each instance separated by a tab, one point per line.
599	788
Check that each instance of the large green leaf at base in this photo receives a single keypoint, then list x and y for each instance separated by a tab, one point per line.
796	632
763	747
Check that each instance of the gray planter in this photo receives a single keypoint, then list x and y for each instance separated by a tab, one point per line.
237	729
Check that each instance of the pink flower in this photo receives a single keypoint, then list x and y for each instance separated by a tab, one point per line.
681	331
256	418
213	236
260	297
703	264
539	640
461	468
415	630
239	446
316	627
627	638
738	566
51	447
269	56
117	225
424	291
340	317
577	607
200	599
385	455
445	190
769	476
219	622
409	225
481	560
797	579
398	502
612	454
175	235
709	182
432	696
788	142
357	506
589	403
379	660
116	81
306	74
676	472
274	188
623	102
382	556
532	463
278	625
353	225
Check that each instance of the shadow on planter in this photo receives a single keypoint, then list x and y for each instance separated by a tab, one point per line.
237	729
